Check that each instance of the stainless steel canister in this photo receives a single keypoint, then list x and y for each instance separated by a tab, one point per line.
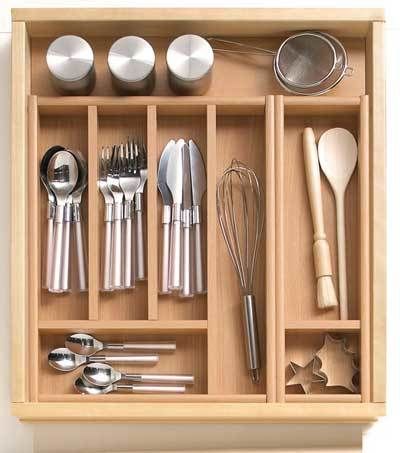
70	61
131	61
190	59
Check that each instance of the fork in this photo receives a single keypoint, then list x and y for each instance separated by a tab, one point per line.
104	166
129	181
142	166
118	195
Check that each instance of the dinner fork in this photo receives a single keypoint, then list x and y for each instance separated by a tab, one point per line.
104	166
142	165
129	181
118	195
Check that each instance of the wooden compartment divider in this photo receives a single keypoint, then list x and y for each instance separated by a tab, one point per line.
94	217
251	120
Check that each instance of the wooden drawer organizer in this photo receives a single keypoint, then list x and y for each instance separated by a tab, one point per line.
246	115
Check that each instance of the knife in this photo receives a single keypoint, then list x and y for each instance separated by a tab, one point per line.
166	213
187	223
199	183
175	185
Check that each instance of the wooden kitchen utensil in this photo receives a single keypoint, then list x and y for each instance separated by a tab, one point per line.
337	152
326	296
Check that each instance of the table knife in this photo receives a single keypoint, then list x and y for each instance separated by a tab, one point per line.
175	183
199	182
186	223
166	214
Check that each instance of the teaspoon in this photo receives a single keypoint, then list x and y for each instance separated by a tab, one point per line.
82	343
62	176
85	387
50	210
63	359
102	375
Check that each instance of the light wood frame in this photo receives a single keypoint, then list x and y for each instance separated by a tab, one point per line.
212	407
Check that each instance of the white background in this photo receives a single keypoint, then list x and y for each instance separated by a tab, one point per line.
381	437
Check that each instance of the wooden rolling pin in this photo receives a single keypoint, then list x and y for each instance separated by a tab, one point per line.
326	296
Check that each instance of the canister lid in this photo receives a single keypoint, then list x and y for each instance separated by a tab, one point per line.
190	57
69	58
131	59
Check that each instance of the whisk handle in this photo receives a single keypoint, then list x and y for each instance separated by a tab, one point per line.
251	337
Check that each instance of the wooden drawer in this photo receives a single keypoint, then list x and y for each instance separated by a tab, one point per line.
245	114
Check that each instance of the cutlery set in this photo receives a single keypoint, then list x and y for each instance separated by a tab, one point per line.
182	184
122	179
336	154
63	173
99	378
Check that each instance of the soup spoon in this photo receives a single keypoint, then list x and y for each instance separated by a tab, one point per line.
63	359
62	176
50	210
85	387
102	375
82	343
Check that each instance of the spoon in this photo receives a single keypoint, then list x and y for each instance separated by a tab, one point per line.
63	359
62	175
82	343
50	210
76	219
85	387
102	375
337	151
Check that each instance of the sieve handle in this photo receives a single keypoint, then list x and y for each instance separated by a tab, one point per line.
251	50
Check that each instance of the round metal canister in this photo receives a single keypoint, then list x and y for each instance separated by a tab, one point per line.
190	59
70	61
131	61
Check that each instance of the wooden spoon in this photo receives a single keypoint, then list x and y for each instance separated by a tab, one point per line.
337	151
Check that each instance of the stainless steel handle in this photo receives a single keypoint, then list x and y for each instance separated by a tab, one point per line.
49	251
142	359
251	337
80	253
117	247
166	225
186	274
65	277
140	266
187	379
200	287
128	254
166	346
151	388
175	282
107	285
55	286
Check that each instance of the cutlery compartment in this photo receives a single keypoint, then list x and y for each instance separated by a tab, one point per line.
190	357
335	364
69	128
115	125
187	122
241	134
297	264
234	75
